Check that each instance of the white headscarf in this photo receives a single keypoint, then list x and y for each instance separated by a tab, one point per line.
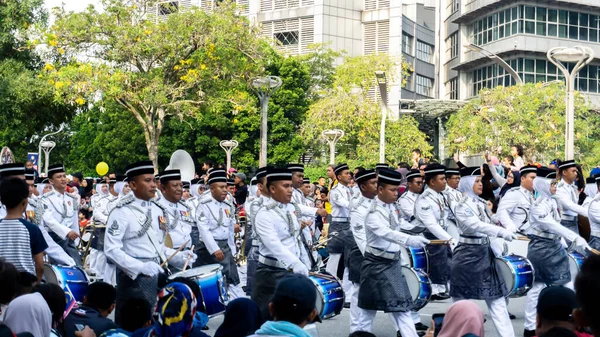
29	313
591	190
194	190
542	186
99	189
466	185
119	187
40	188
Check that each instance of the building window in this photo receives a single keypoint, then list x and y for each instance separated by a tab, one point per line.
423	85
287	38
166	8
407	44
452	88
290	36
452	46
424	51
452	7
536	20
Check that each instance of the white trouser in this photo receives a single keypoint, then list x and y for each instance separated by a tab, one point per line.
531	304
110	274
438	288
55	252
499	314
347	286
332	263
402	320
235	291
416	317
355	311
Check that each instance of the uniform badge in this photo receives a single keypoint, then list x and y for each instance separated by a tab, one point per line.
184	213
468	212
114	229
162	221
425	208
69	203
227	212
45	206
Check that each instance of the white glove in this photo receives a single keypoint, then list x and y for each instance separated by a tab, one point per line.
416	241
179	259
299	268
151	268
507	235
580	245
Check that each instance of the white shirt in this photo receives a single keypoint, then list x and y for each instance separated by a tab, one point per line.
407	205
382	230
452	197
429	213
100	213
472	218
544	216
513	210
339	197
60	213
566	194
215	221
358	217
178	222
594	213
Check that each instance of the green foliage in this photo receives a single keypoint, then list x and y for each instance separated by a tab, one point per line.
16	17
321	66
531	115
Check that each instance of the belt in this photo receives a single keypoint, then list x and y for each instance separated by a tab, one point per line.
339	219
271	262
382	253
544	234
568	217
146	259
472	240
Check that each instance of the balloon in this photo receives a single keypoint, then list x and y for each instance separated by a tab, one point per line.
102	168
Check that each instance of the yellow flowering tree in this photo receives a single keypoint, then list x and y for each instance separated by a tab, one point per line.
154	65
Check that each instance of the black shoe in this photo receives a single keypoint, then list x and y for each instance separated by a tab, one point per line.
528	333
421	326
421	333
205	327
347	305
511	316
398	334
439	297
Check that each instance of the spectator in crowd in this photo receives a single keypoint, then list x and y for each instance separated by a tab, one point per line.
21	242
55	298
361	334
242	318
29	165
76	182
587	289
201	319
463	317
241	189
555	312
137	315
292	306
331	175
208	164
26	283
321	183
517	152
98	304
417	160
9	281
29	313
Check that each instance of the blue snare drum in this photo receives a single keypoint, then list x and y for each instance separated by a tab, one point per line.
575	261
212	286
517	272
415	257
74	278
330	294
419	285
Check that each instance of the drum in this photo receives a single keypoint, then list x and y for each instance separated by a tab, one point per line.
419	286
575	261
212	285
73	278
517	272
415	257
330	294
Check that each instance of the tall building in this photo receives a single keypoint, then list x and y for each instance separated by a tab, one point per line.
520	32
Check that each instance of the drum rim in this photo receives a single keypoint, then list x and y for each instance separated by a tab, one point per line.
61	281
416	272
512	292
217	267
322	296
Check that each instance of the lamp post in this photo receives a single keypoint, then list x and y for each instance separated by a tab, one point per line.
49	146
332	137
264	88
382	85
581	56
497	60
228	146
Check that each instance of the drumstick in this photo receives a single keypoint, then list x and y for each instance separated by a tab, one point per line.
439	242
595	251
522	238
188	258
177	251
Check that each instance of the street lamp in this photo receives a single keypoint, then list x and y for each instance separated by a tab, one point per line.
581	56
497	60
264	88
332	137
47	148
382	84
228	146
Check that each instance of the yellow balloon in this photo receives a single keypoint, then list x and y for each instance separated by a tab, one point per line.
102	168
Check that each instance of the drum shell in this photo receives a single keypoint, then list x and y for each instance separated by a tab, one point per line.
330	294
575	262
212	287
74	278
518	274
422	294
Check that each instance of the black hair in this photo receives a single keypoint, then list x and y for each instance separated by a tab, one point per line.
285	310
510	158
13	191
417	151
450	175
359	168
427	178
410	179
101	295
361	334
135	313
519	150
26	282
209	163
587	290
55	298
194	287
404	165
9	281
321	177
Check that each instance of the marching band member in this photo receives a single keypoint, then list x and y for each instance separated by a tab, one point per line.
408	199
567	195
60	213
97	258
366	180
473	272
513	210
594	215
281	251
545	251
451	197
429	213
216	220
382	284
132	239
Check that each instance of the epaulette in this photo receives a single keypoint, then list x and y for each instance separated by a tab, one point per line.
204	201
516	188
48	195
181	202
129	198
560	183
228	203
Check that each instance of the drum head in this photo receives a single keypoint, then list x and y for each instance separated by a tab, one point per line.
506	272
412	279
573	266
405	256
208	269
51	276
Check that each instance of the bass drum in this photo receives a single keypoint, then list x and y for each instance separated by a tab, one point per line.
330	294
73	279
575	262
419	285
518	274
212	287
415	257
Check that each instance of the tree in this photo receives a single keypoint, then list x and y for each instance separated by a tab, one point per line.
321	65
156	68
349	107
531	115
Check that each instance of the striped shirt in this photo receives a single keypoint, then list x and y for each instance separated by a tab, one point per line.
20	240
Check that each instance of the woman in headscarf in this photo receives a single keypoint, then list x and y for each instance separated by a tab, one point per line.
473	272
548	256
242	318
463	317
513	179
29	313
